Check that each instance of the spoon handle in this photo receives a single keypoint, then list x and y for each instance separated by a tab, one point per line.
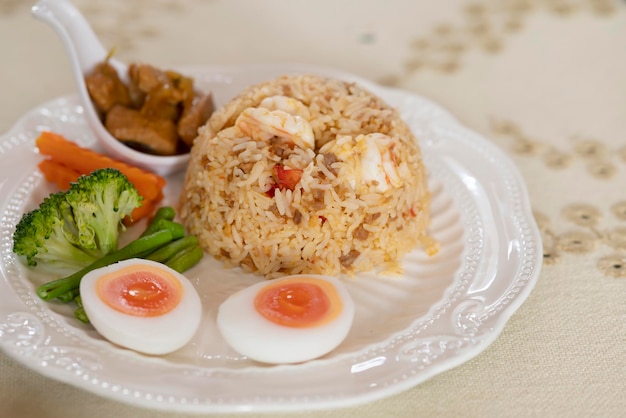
80	40
85	51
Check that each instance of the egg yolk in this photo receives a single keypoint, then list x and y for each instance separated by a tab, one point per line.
140	291
299	302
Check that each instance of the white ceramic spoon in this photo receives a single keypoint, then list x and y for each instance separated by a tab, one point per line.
85	51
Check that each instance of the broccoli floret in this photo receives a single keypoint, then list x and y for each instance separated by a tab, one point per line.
48	234
99	203
75	228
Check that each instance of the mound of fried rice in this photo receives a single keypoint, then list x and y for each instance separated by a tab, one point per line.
234	203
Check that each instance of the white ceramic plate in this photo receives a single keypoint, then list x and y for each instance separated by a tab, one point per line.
442	312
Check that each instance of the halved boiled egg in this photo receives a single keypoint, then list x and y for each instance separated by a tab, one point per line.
142	305
287	320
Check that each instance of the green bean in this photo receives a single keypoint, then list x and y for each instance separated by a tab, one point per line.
177	229
133	249
68	296
81	315
185	258
164	212
167	251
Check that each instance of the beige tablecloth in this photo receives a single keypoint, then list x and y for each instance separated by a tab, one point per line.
545	80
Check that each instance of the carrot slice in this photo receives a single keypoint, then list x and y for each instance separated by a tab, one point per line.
57	173
63	176
84	160
67	161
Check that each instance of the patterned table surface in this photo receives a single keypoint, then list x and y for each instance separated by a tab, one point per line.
542	79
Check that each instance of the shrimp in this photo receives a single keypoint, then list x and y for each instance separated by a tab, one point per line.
368	161
288	104
262	124
382	164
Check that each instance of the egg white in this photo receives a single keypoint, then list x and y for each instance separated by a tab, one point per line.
257	338
151	335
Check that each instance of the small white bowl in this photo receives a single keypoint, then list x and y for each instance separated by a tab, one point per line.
85	52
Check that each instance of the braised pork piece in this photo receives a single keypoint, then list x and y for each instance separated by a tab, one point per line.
158	112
